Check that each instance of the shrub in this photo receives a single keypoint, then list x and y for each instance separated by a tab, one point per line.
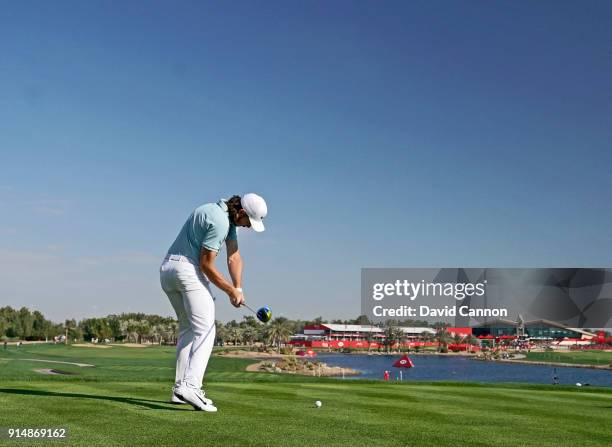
267	366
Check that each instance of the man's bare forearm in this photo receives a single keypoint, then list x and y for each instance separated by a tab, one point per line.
234	266
216	278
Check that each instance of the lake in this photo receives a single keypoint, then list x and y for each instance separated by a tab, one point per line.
465	369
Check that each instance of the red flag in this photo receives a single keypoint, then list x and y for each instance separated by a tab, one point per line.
404	362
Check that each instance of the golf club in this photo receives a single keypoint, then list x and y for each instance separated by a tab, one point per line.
264	314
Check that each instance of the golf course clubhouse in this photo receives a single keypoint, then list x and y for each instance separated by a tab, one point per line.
355	336
339	336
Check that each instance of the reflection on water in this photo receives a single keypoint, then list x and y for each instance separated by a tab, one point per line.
432	367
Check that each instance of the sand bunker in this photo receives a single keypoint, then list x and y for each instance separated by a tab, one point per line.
130	345
87	345
51	361
53	372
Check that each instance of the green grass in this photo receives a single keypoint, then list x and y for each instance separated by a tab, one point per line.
122	401
594	357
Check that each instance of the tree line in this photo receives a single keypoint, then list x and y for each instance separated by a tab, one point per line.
24	324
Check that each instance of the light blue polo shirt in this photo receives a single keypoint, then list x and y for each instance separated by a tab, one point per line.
208	226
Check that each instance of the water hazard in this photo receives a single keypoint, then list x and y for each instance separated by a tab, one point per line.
465	369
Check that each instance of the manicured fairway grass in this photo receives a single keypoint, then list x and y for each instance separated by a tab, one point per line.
594	357
122	401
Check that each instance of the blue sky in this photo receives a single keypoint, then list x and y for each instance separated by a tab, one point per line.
399	134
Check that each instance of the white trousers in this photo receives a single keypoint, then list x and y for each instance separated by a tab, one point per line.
189	293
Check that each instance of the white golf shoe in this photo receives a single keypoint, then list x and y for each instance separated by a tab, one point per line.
174	399
195	397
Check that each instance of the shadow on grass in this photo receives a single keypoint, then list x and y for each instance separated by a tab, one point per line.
151	404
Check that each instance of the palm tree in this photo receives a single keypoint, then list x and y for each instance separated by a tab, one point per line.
123	328
249	321
144	330
131	328
235	334
69	325
249	335
169	332
393	336
443	338
157	331
278	331
369	339
221	333
401	337
471	340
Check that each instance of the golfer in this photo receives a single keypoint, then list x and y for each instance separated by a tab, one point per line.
186	274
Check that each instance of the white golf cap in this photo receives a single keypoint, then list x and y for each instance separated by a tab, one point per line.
256	208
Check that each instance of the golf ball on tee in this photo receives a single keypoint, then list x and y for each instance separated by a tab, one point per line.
318	404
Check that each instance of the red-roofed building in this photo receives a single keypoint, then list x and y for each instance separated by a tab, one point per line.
332	335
